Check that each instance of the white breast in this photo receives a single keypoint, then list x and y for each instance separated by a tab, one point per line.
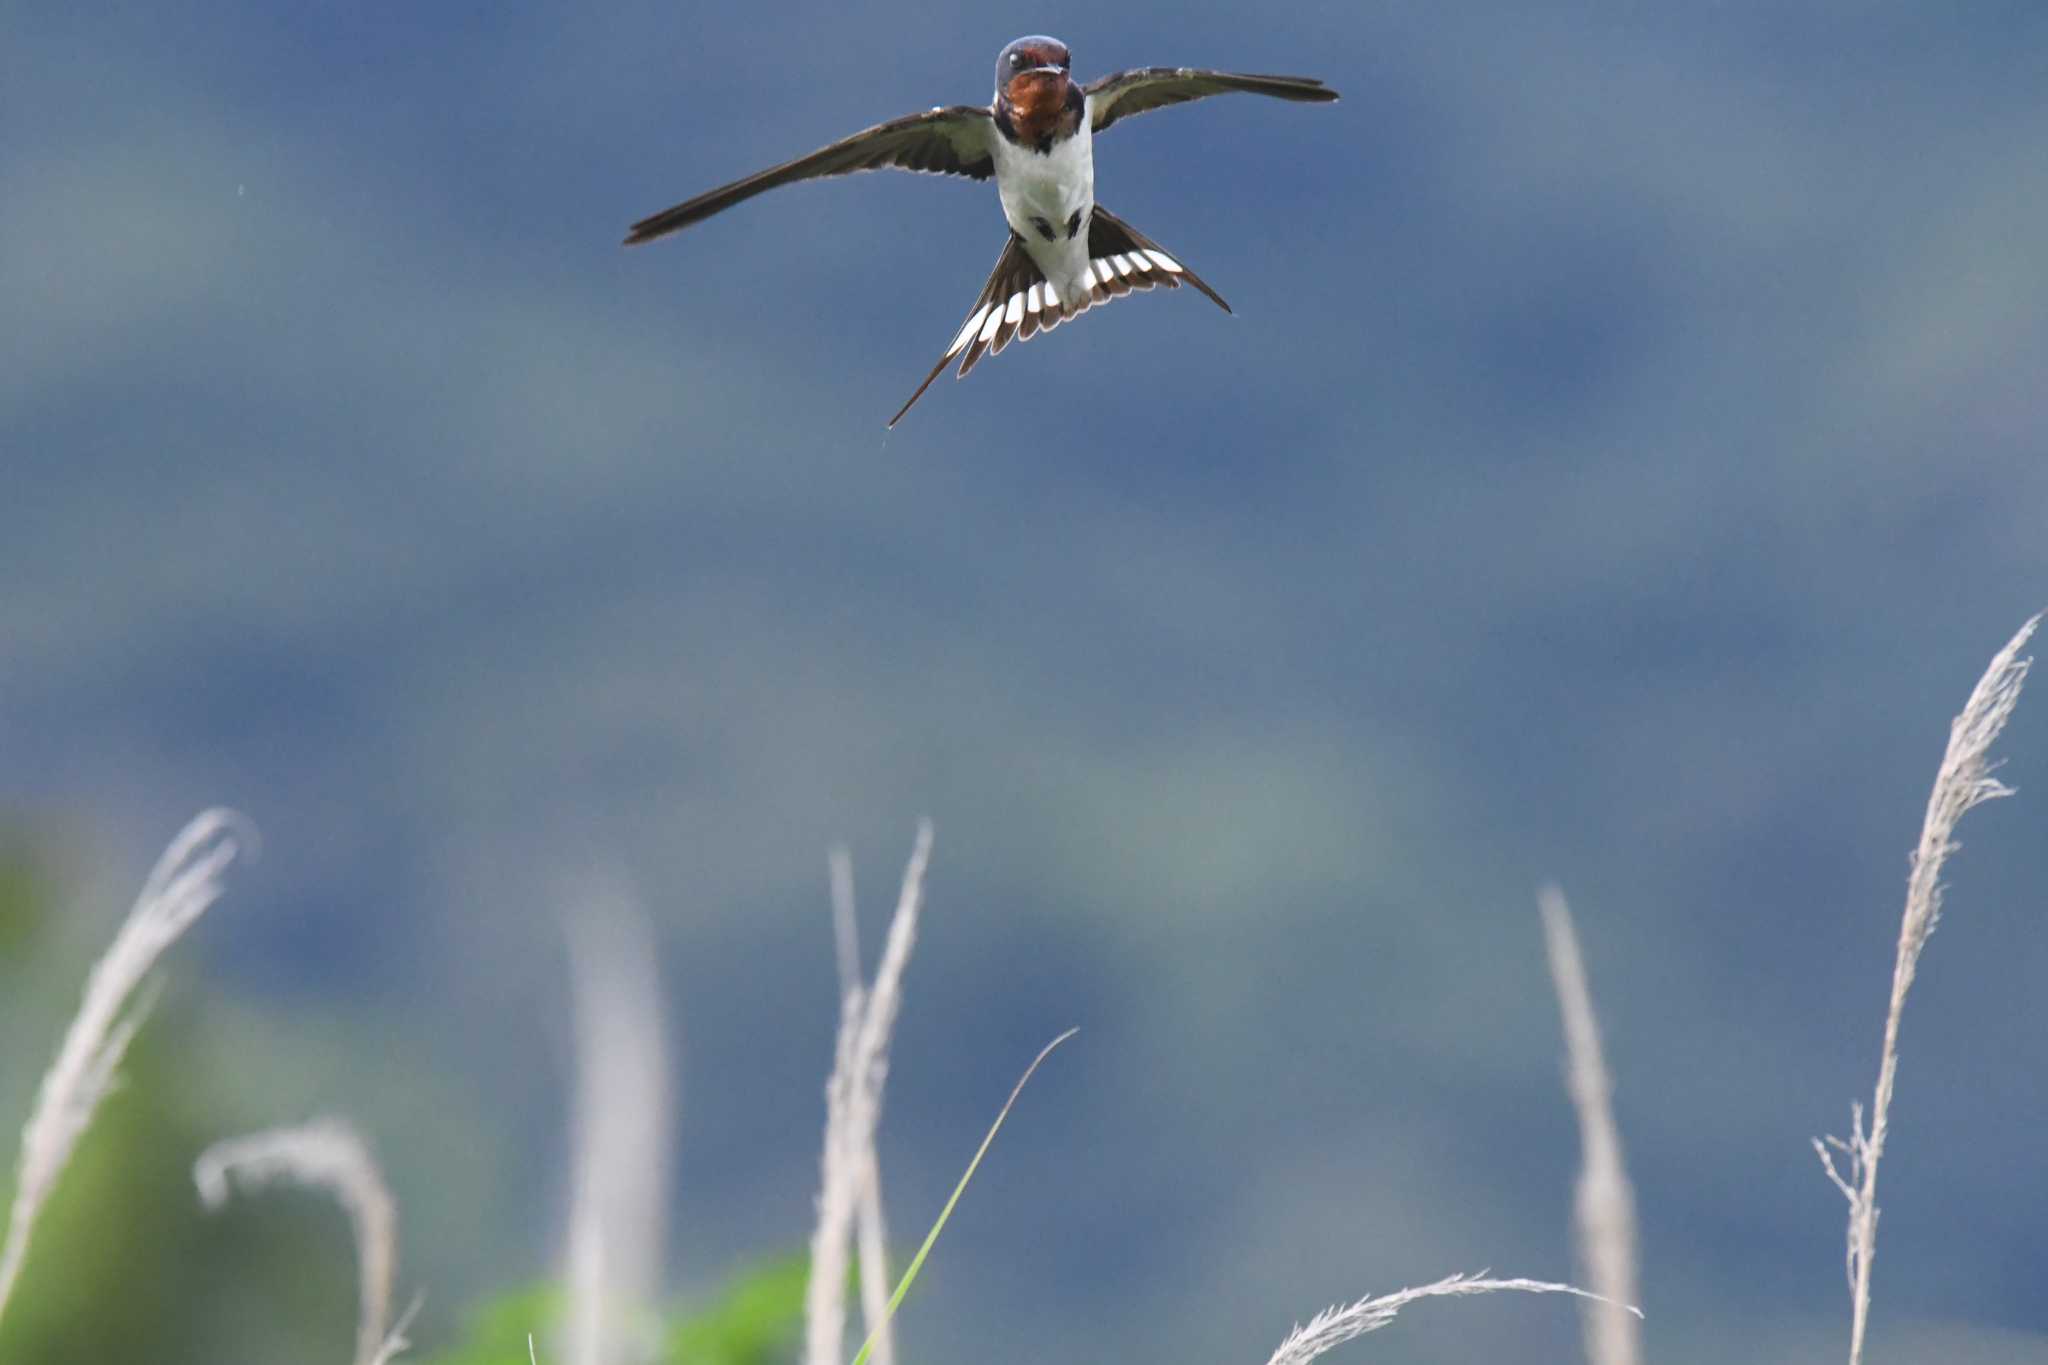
1050	187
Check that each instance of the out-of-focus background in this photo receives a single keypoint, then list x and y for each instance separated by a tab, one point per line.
1627	453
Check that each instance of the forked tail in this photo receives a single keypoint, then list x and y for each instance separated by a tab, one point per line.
1019	302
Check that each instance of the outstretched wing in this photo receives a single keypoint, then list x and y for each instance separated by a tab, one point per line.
1124	93
1017	302
953	141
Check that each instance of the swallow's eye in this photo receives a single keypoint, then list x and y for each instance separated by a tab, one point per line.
1016	61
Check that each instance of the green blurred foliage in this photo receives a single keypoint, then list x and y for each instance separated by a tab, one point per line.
496	1332
124	1265
753	1321
24	894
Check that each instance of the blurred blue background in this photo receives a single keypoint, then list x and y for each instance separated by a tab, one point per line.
1627	453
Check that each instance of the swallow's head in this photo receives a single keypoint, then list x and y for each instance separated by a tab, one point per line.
1031	77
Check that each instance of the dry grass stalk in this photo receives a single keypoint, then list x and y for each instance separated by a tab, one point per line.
1333	1327
330	1156
621	1134
853	1105
395	1341
185	881
1604	1204
871	1239
1964	780
871	1236
845	920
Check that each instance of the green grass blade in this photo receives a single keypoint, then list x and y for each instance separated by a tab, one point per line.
917	1261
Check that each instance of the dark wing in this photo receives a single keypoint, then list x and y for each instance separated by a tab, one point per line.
1017	303
1154	87
953	141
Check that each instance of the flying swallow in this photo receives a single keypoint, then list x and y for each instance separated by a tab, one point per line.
1036	137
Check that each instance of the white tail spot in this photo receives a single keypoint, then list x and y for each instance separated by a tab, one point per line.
1122	263
995	320
1164	261
966	332
1015	311
1032	299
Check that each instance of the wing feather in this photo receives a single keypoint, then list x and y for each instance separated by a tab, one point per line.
1124	93
952	141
